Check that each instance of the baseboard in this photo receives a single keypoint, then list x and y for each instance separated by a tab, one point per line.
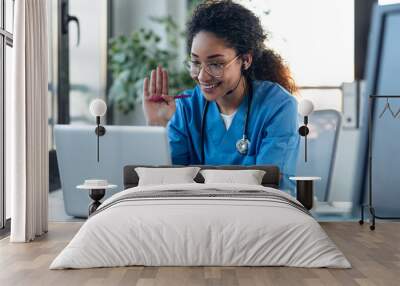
333	207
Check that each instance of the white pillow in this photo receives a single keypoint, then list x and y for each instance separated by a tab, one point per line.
248	177
163	176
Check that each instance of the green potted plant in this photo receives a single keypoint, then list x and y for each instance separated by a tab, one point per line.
131	58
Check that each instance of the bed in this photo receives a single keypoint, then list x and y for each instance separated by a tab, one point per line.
198	224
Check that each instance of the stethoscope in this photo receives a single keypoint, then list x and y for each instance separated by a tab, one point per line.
242	145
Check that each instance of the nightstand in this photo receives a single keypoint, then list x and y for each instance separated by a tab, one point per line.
305	190
97	190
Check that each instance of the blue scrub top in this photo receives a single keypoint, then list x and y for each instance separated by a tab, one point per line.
272	131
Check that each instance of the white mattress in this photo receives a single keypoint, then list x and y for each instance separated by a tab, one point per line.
200	231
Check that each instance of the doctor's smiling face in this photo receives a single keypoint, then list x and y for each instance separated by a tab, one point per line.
225	37
215	66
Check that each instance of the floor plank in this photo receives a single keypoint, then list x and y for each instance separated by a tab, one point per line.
374	255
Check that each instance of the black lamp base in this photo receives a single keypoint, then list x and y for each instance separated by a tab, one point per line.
305	193
96	195
303	130
100	130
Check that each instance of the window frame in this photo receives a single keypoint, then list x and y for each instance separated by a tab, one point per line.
6	39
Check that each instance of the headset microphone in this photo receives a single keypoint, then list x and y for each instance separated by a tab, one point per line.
232	90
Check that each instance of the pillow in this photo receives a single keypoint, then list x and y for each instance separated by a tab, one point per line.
248	177
163	176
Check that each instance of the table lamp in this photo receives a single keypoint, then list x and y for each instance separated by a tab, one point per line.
98	108
306	107
305	185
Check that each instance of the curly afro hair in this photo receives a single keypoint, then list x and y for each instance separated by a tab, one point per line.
241	30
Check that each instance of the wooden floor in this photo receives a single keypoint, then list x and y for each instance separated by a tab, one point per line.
375	257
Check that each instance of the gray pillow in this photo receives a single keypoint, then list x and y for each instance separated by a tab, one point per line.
248	177
165	176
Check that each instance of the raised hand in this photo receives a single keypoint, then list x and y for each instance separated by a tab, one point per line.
157	112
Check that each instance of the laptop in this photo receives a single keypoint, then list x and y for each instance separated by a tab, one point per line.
76	147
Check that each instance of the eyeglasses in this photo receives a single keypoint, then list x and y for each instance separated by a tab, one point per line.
213	69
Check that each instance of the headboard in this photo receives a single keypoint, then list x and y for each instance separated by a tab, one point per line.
270	179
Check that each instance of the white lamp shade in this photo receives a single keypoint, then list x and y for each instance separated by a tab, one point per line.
98	107
306	106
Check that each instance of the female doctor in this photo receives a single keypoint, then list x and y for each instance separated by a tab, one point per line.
241	111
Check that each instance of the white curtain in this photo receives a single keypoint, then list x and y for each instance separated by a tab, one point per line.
26	123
